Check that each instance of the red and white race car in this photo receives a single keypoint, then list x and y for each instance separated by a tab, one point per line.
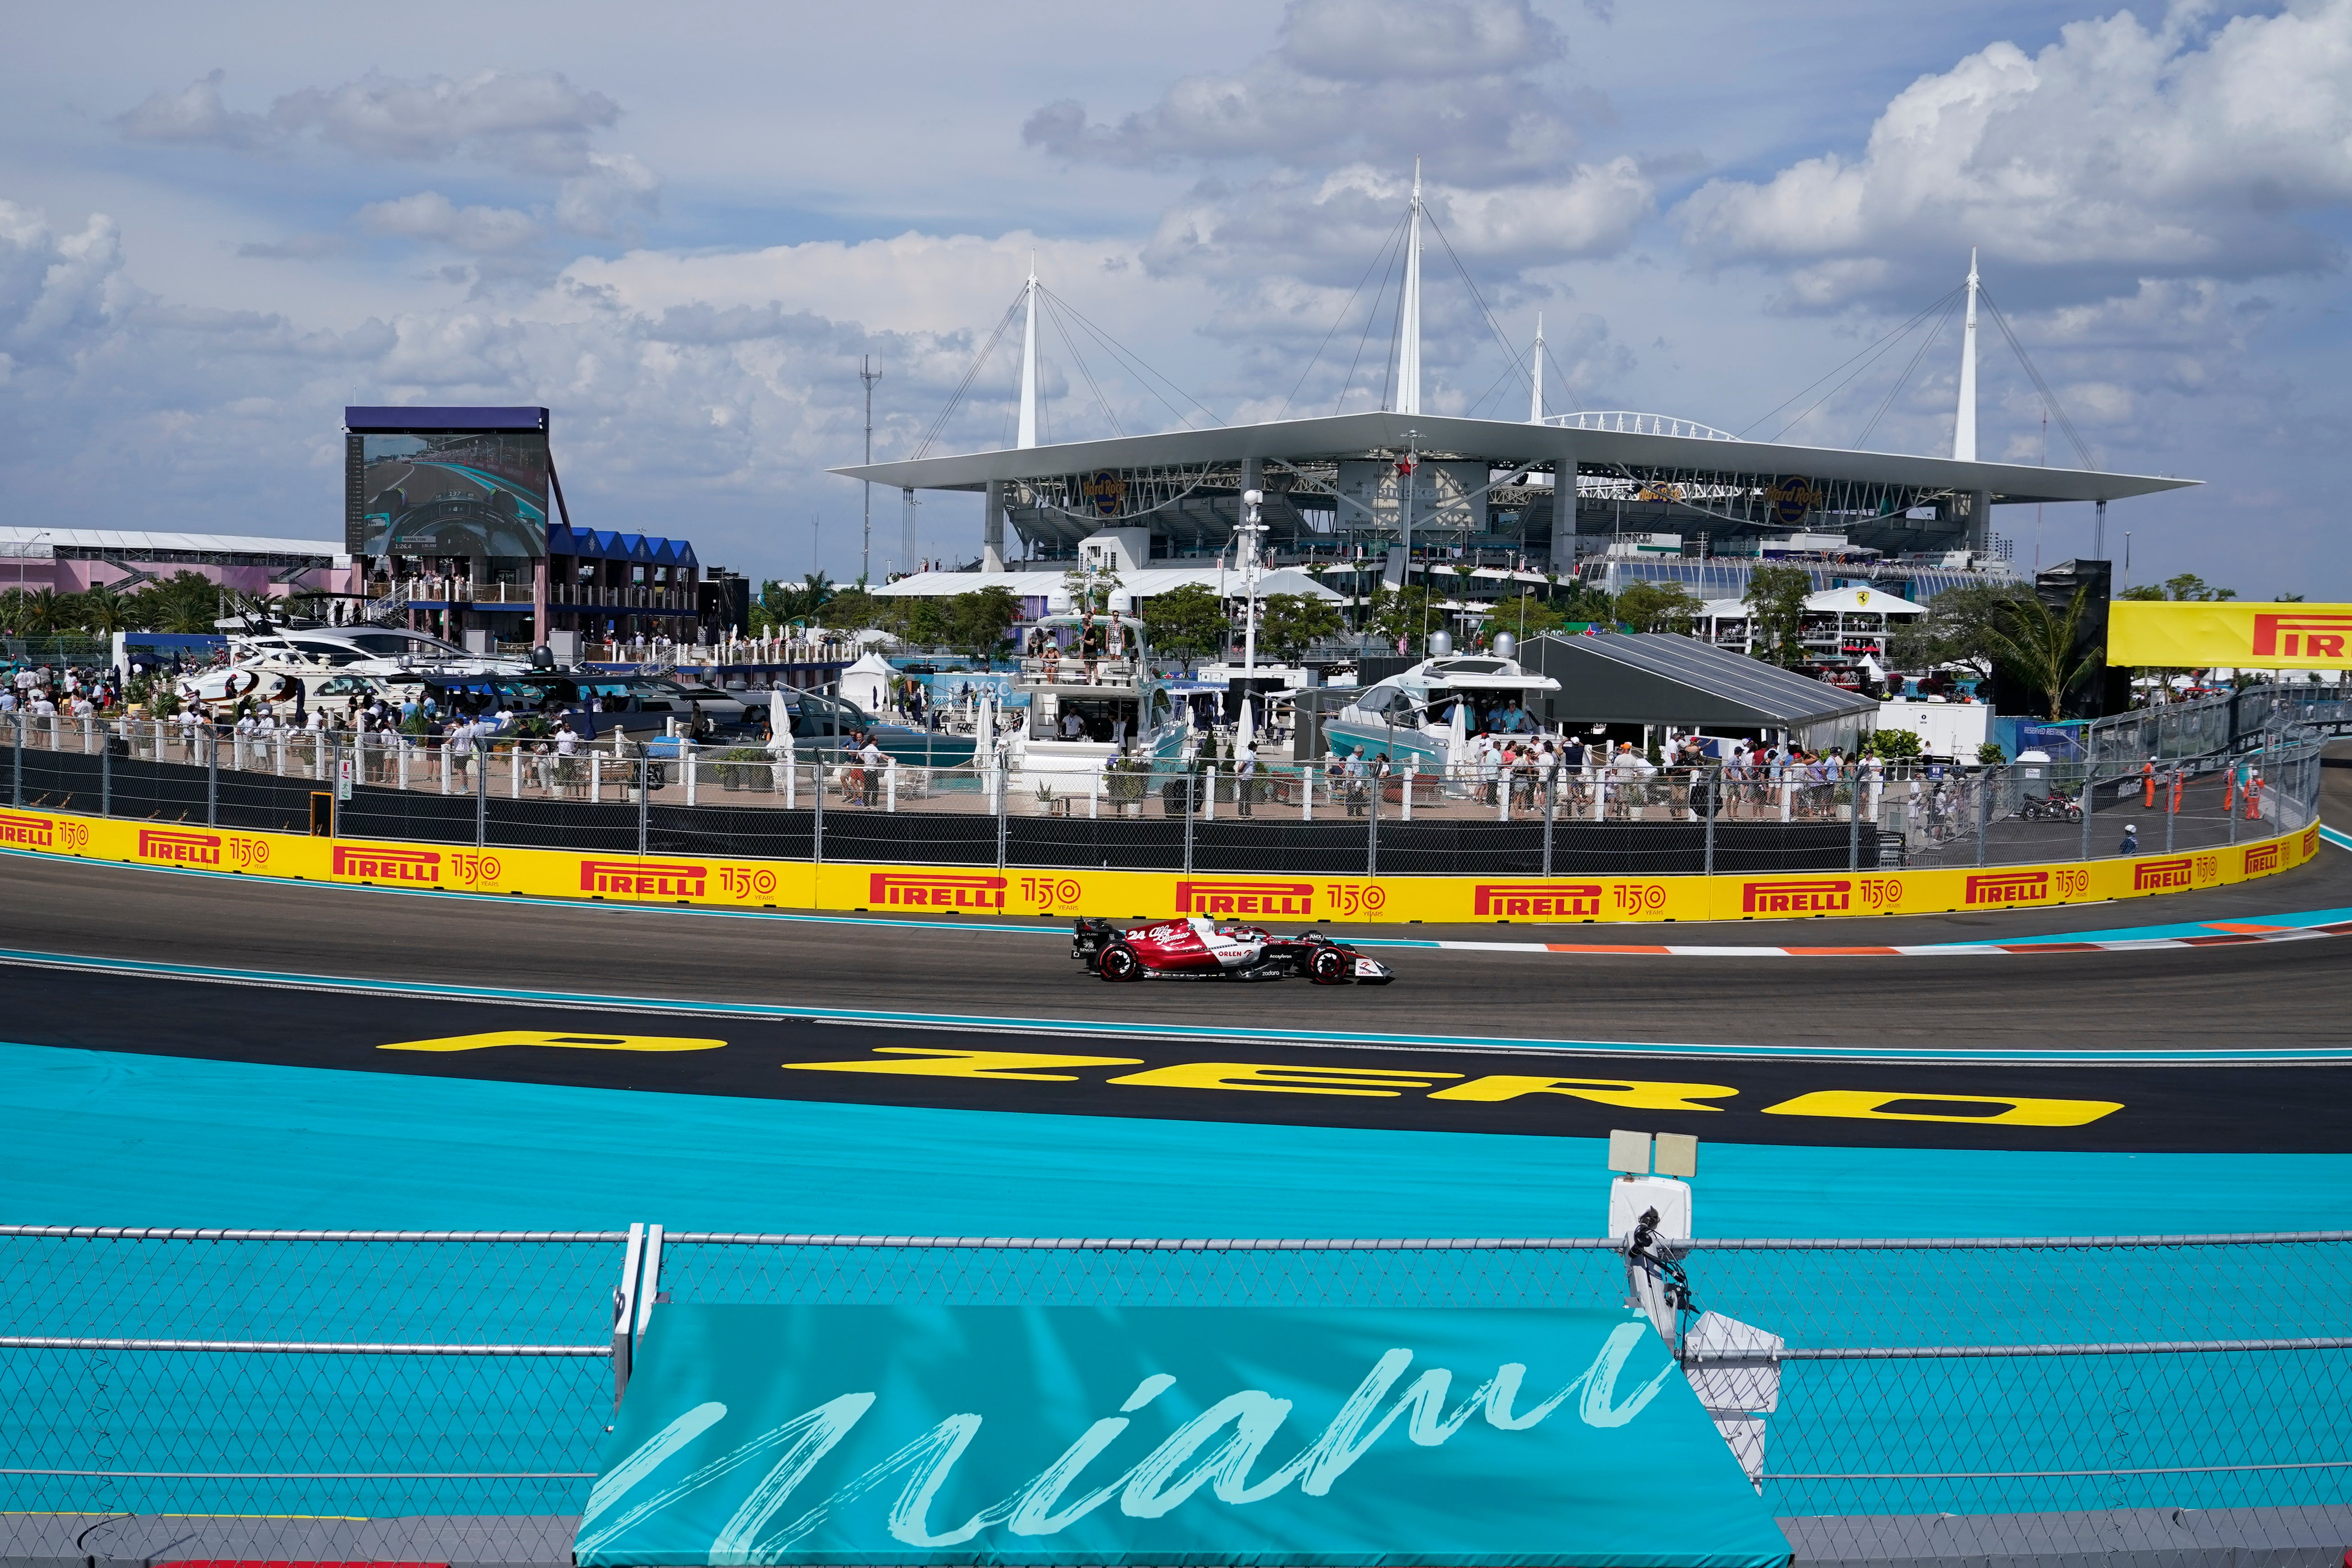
1198	948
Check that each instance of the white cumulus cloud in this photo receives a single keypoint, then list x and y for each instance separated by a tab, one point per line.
2121	151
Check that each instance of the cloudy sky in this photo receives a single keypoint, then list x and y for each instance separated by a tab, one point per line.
681	229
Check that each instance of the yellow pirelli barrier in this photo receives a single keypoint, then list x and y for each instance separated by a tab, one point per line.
719	881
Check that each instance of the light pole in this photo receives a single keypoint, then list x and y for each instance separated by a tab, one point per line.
26	551
1251	505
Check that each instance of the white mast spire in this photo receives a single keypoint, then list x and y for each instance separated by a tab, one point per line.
1535	394
1409	309
1964	425
1028	435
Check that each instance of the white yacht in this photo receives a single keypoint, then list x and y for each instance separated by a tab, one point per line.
1083	709
1426	712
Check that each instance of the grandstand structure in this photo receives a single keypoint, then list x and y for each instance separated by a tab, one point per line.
1401	494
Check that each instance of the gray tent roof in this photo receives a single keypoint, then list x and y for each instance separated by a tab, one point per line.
1657	677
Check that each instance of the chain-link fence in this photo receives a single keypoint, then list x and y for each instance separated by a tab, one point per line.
1512	814
438	1396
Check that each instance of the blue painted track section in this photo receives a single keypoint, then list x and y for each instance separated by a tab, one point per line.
94	1138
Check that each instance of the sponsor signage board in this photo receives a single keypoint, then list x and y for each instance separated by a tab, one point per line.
1200	1436
1293	901
2230	635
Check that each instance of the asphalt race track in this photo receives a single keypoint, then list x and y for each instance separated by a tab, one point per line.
1953	1056
2288	992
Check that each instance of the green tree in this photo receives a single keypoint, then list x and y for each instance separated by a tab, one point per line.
2036	644
46	612
1583	602
1776	604
1527	615
850	610
1659	607
1954	629
1188	623
104	610
186	603
1400	614
1288	623
978	621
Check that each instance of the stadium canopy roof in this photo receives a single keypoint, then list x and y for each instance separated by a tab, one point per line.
1132	585
37	542
1657	677
1505	443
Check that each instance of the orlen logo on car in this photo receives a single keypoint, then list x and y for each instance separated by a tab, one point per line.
2152	875
1244	898
642	880
1538	900
179	848
936	891
31	832
2263	858
1808	896
2010	888
388	865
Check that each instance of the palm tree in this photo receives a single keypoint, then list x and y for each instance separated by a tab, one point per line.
2038	644
46	612
104	610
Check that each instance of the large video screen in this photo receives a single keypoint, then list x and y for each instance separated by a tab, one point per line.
451	492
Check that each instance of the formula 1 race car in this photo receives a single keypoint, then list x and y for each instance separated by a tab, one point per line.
1200	948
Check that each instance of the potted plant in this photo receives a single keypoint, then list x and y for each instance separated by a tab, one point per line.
742	768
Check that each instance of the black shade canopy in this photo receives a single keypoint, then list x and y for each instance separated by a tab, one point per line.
1657	677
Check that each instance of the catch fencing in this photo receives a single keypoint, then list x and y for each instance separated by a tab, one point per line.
1162	814
423	1396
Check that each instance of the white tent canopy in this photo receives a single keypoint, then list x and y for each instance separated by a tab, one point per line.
1147	584
868	682
1847	601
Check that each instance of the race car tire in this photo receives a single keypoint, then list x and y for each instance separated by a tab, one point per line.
1328	966
1119	963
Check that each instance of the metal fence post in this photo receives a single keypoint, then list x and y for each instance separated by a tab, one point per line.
817	819
1715	792
644	769
2090	797
1852	820
105	773
2230	793
17	758
1189	802
481	796
1003	805
1552	805
1372	822
1984	810
212	776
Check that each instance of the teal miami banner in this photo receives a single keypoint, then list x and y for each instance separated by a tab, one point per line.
1197	1437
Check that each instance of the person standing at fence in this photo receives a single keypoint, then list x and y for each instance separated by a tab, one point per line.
1244	778
870	764
2130	846
1357	772
2147	778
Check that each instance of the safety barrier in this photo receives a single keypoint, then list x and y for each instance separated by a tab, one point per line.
915	840
256	1395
